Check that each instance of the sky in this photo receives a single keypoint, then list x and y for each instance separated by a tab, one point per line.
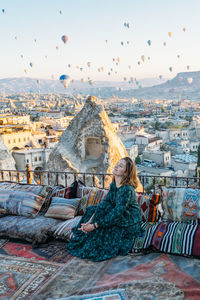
88	24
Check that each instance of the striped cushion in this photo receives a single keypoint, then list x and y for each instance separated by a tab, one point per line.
90	196
170	237
64	230
20	203
62	208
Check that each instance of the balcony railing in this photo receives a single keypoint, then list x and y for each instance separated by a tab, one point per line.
41	177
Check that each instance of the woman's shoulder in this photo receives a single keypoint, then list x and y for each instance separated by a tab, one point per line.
127	188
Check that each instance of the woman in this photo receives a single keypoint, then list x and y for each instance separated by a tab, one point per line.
108	229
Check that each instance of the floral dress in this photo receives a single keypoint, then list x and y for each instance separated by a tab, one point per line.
119	221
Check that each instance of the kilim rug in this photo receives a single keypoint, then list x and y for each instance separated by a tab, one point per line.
54	251
20	278
154	276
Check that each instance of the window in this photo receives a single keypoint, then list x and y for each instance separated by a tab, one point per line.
19	140
14	141
8	141
24	139
35	158
40	158
28	138
27	161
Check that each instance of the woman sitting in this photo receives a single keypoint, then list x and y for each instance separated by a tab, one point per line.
108	229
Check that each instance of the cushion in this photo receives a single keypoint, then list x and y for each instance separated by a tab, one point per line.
181	204
62	208
20	203
68	192
32	230
79	190
169	237
90	196
64	230
149	206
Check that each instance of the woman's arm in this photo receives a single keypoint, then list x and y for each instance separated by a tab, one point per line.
126	195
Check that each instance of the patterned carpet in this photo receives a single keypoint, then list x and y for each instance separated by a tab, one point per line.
20	278
54	251
50	273
154	276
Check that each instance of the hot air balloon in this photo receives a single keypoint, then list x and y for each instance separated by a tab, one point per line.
89	64
122	43
149	42
25	70
188	67
102	69
178	56
64	38
31	64
189	80
164	44
143	58
170	68
65	80
125	24
118	59
138	62
60	11
113	59
184	29
3	10
170	34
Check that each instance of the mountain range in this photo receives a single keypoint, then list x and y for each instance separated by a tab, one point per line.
185	85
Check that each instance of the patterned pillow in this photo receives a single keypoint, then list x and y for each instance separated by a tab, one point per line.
68	192
20	203
62	208
149	206
90	196
181	204
64	229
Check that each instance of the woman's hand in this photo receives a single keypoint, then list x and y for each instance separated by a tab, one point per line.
87	227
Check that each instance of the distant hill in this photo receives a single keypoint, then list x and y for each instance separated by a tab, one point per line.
43	86
185	85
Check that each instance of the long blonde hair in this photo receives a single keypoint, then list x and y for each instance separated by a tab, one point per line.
130	177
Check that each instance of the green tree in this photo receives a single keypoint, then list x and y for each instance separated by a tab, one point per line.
138	160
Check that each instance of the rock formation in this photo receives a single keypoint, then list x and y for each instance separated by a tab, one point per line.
7	162
89	143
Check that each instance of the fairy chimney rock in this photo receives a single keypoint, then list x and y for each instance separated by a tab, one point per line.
7	162
89	143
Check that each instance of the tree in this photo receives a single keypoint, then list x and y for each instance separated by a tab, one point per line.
138	160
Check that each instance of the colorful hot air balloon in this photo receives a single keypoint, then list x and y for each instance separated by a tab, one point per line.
65	80
170	68
149	42
170	34
3	10
143	58
64	38
31	64
118	59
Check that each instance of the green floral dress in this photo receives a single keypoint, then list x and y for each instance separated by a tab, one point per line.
119	222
